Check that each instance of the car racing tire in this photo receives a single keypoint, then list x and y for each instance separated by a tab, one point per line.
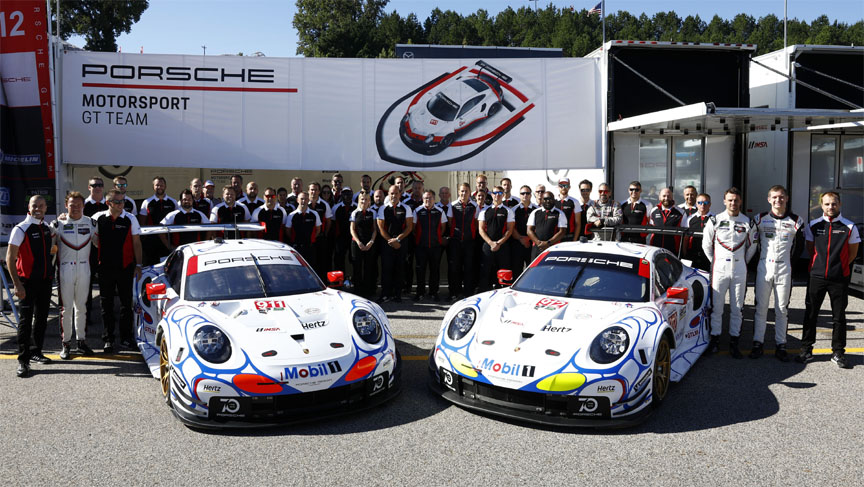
493	109
662	371
446	141
164	369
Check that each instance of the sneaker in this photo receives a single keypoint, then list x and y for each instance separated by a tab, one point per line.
108	348
840	360
757	350
781	354
40	359
83	349
129	345
805	357
734	351
64	352
23	369
713	345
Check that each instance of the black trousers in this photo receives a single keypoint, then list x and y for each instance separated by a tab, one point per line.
307	251
392	270
460	267
116	281
34	317
838	292
491	264
428	257
323	260
364	270
520	256
409	247
342	247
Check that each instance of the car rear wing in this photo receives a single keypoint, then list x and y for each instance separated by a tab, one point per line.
494	71
614	233
210	227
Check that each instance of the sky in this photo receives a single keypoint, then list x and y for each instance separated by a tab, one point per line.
231	27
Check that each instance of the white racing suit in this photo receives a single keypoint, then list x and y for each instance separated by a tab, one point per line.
780	240
728	243
73	269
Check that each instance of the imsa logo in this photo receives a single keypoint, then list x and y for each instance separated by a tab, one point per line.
317	370
507	369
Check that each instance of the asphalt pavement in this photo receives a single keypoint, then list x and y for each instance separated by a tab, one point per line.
101	421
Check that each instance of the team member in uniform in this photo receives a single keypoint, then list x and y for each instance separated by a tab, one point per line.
153	210
395	222
481	186
364	232
462	221
117	236
120	184
379	197
271	216
520	242
546	225
635	211
341	229
688	207
74	232
666	215
538	194
185	215
832	242
323	245
209	193
510	200
696	223
781	238
230	211
251	200
571	208
365	185
429	223
296	189
414	201
31	250
585	203
304	226
605	213
92	205
728	243
282	200
199	201
496	226
237	184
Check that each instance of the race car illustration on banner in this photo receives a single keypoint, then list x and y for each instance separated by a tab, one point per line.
591	334
453	117
244	333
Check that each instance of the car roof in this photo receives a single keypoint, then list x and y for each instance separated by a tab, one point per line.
612	248
242	245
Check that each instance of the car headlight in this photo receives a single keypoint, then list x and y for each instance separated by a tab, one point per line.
429	139
609	345
461	324
367	326
211	344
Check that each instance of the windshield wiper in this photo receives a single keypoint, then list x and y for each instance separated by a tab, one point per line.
260	277
573	284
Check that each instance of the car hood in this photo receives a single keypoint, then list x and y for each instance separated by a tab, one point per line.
305	327
424	123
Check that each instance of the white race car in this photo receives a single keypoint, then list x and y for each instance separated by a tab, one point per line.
591	334
440	116
243	332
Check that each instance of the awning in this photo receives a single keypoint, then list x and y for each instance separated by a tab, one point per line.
706	119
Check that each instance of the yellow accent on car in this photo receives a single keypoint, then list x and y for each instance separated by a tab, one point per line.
567	381
462	365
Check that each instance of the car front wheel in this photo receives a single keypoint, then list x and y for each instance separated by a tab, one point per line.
165	370
662	370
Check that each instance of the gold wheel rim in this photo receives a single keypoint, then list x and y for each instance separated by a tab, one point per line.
662	367
164	376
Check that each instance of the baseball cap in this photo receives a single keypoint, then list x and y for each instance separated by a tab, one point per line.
347	188
564	180
209	183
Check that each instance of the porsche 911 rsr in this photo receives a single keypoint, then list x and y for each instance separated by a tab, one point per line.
442	115
243	332
591	334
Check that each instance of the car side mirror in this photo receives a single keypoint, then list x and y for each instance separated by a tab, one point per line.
676	295
156	291
505	277
336	278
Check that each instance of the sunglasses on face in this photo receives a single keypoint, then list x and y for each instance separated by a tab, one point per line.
122	185
270	196
117	202
703	202
635	190
548	199
603	191
97	185
496	193
526	193
585	190
563	185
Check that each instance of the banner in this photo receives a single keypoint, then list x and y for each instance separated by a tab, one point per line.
26	129
341	114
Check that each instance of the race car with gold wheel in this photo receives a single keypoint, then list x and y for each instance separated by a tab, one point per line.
244	333
591	334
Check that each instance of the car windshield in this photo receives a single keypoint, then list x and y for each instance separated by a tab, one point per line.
244	282
440	106
584	275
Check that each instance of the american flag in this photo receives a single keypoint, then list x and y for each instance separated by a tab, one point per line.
596	10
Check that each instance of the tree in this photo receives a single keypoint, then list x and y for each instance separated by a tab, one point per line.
99	22
338	28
